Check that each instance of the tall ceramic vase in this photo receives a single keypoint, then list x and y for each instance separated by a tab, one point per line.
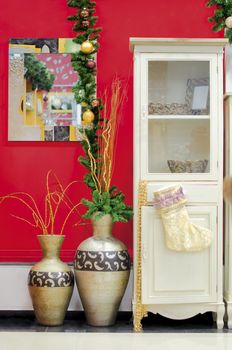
50	283
102	269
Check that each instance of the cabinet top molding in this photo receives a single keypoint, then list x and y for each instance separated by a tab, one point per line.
176	42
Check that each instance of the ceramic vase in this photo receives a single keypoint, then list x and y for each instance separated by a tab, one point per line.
102	269
50	283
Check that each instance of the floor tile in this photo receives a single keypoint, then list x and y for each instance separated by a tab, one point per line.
112	341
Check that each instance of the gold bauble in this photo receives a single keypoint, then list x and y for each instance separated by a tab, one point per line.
88	116
87	47
83	104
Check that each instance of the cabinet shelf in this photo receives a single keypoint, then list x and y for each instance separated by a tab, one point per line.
173	117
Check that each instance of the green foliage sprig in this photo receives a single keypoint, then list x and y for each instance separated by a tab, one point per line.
111	202
37	72
222	12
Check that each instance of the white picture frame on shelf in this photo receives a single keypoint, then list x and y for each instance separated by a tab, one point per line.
197	96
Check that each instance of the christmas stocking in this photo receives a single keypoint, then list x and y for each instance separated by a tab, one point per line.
180	233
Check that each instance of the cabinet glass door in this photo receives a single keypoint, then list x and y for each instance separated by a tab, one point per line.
178	114
178	88
184	146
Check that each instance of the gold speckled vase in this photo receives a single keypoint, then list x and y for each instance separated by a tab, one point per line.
102	269
50	283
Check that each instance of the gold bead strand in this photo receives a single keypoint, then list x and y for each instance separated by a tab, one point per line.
140	309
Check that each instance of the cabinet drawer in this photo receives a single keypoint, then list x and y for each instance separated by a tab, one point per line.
195	193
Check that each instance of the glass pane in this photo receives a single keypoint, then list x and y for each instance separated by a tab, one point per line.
179	146
180	88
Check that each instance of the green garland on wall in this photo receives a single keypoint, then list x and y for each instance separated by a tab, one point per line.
222	16
105	199
84	64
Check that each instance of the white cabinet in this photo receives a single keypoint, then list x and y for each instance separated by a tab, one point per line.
228	212
178	138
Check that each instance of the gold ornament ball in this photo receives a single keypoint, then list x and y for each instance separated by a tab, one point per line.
83	104
88	116
87	47
228	22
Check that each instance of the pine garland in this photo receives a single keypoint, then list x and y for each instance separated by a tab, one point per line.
85	88
222	12
104	200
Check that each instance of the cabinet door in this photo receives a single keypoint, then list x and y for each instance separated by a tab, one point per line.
179	104
177	277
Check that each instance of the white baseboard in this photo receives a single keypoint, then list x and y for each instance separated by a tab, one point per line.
14	293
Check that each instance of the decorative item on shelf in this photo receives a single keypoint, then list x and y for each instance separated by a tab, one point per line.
197	96
50	281
222	16
180	234
103	280
168	108
187	166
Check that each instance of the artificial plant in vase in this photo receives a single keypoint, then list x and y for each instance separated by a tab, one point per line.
100	136
50	281
102	263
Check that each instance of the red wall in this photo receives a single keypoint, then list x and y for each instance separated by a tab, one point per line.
24	164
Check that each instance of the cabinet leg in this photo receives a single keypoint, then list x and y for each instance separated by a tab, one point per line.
229	315
140	311
220	316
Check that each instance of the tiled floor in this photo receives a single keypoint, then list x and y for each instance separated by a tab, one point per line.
75	322
20	331
112	341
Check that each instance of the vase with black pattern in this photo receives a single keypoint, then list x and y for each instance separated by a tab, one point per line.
50	283
102	269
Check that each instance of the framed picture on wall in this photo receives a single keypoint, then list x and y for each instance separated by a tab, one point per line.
41	80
